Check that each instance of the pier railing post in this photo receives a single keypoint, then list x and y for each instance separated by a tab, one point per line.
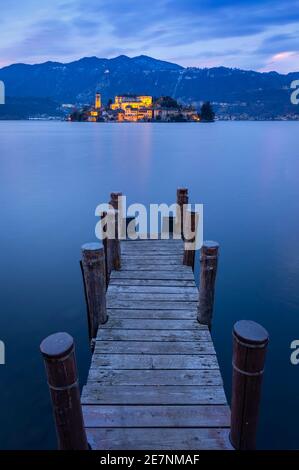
59	356
113	235
116	202
208	270
107	250
182	199
93	267
190	225
250	342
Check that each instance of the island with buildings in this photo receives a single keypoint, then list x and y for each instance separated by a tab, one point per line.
140	108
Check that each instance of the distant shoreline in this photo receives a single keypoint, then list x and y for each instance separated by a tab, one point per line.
149	122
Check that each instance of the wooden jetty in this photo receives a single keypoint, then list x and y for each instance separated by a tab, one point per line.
154	382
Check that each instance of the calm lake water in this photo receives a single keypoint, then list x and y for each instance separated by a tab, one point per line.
52	177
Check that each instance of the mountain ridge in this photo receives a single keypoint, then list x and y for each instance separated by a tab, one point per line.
233	91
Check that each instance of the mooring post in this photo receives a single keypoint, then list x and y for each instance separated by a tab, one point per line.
107	249
116	202
190	226
182	199
93	267
113	240
250	342
208	270
59	356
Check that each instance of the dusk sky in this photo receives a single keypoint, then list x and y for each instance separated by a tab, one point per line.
261	35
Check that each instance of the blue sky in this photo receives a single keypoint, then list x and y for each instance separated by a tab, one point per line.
261	35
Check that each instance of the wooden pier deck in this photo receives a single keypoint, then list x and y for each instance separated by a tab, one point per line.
154	380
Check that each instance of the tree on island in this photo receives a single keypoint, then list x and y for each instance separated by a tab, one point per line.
76	116
167	102
80	115
178	118
207	114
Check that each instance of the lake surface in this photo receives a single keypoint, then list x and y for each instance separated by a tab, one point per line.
52	177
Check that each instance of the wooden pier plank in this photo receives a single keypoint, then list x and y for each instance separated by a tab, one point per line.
152	304
92	394
173	274
146	289
151	282
147	296
154	347
159	438
154	361
151	324
159	296
114	334
138	416
153	314
155	377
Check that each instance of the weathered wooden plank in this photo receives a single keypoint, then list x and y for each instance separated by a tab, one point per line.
159	439
151	282
113	289
145	296
154	275
149	361
156	416
179	268
150	248
153	242
114	334
152	395
154	347
144	324
202	377
154	314
135	253
150	255
150	261
151	305
153	249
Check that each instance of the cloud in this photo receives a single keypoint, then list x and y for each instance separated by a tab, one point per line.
242	33
280	42
283	61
